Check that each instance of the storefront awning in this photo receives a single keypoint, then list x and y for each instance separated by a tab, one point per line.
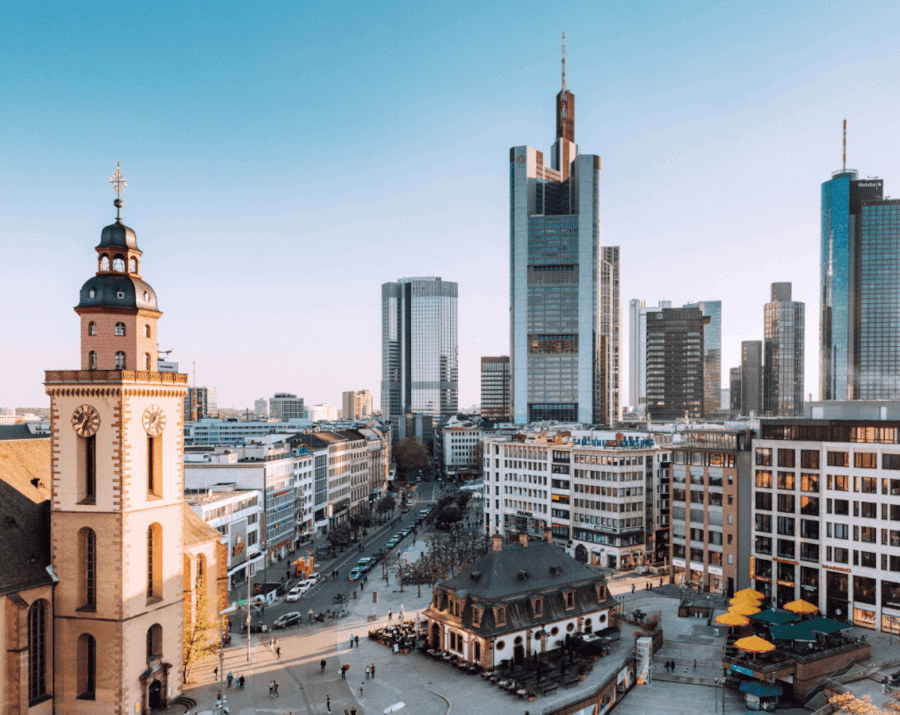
760	690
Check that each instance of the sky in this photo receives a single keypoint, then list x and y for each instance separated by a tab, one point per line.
285	159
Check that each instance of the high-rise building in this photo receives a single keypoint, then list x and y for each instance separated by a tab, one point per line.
419	369
556	327
859	328
675	372
637	349
261	408
734	391
712	354
200	403
286	406
751	377
610	331
495	388
783	360
357	404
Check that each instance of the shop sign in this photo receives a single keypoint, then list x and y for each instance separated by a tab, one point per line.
837	568
789	584
741	669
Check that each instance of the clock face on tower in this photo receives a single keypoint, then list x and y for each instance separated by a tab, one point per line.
154	420
86	420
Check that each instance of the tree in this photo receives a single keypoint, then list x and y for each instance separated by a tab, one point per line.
852	705
385	504
339	536
410	455
199	637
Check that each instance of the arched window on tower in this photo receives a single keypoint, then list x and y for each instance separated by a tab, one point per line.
87	469
120	329
92	360
146	330
104	262
86	657
92	328
120	360
154	465
119	264
154	642
154	562
87	565
37	651
134	264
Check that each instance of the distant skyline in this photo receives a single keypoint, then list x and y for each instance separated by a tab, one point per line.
286	160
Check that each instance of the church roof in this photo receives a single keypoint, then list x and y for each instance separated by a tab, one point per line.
24	514
196	531
118	235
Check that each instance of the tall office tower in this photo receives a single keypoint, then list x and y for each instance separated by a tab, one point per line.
200	403
556	341
860	293
357	404
610	330
286	406
637	349
261	407
419	369
495	388
751	377
783	364
675	363
734	375
712	354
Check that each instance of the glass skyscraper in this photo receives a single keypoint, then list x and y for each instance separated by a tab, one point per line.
841	277
419	369
564	359
784	321
712	354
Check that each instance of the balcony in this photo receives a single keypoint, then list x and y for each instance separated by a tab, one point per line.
53	377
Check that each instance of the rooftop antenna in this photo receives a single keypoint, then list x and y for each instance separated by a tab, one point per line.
845	145
564	62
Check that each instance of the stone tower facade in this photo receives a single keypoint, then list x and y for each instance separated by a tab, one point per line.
117	493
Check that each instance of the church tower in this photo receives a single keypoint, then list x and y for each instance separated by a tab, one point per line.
117	496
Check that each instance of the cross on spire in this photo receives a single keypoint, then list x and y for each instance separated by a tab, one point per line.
119	183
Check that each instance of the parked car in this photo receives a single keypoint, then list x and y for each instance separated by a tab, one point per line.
305	584
294	594
355	573
365	563
288	619
255	628
404	510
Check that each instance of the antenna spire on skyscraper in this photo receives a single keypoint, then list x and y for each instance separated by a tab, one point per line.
845	145
564	62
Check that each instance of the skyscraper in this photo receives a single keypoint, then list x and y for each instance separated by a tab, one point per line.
637	349
495	388
557	345
419	370
675	363
859	330
712	354
357	404
783	367
751	377
610	330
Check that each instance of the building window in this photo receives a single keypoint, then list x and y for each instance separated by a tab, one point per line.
154	641
87	561
154	466
134	264
120	360
87	667
92	328
92	360
120	329
154	562
147	330
147	361
87	466
37	651
119	264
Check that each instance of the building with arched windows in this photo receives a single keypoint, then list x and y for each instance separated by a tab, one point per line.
102	563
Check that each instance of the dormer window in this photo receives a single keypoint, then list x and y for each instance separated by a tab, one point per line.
92	293
537	606
569	599
477	613
500	615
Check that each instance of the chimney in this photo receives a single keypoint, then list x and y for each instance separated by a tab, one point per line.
523	539
548	536
497	542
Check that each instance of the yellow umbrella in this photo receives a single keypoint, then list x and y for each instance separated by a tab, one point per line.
732	619
800	607
754	644
749	593
744	600
744	609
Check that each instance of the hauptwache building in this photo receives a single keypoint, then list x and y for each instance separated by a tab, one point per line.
100	559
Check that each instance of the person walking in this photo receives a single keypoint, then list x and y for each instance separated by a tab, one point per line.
390	614
360	688
356	638
275	687
351	641
328	703
373	671
632	588
343	672
270	687
695	664
216	673
322	665
278	652
241	682
229	678
367	672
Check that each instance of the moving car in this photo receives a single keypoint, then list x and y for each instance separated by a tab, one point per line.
294	594
355	573
288	619
365	563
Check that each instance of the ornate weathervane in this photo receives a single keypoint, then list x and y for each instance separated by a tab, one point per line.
119	182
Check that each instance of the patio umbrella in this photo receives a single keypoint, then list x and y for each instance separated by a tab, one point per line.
732	619
749	593
744	599
754	644
800	607
744	609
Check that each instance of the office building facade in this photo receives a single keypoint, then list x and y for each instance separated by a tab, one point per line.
357	404
200	403
675	373
419	361
712	354
286	406
495	397
610	331
751	378
783	362
557	347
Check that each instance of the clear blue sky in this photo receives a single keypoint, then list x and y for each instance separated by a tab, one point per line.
284	159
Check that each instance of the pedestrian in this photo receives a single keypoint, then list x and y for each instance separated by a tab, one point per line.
275	687
216	673
241	682
390	614
660	583
360	689
632	588
271	687
353	711
229	677
328	703
351	641
356	638
322	665
367	672
343	672
695	664
373	671
278	652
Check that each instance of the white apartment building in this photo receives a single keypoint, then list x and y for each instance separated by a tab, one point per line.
460	444
237	515
595	490
232	431
826	514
